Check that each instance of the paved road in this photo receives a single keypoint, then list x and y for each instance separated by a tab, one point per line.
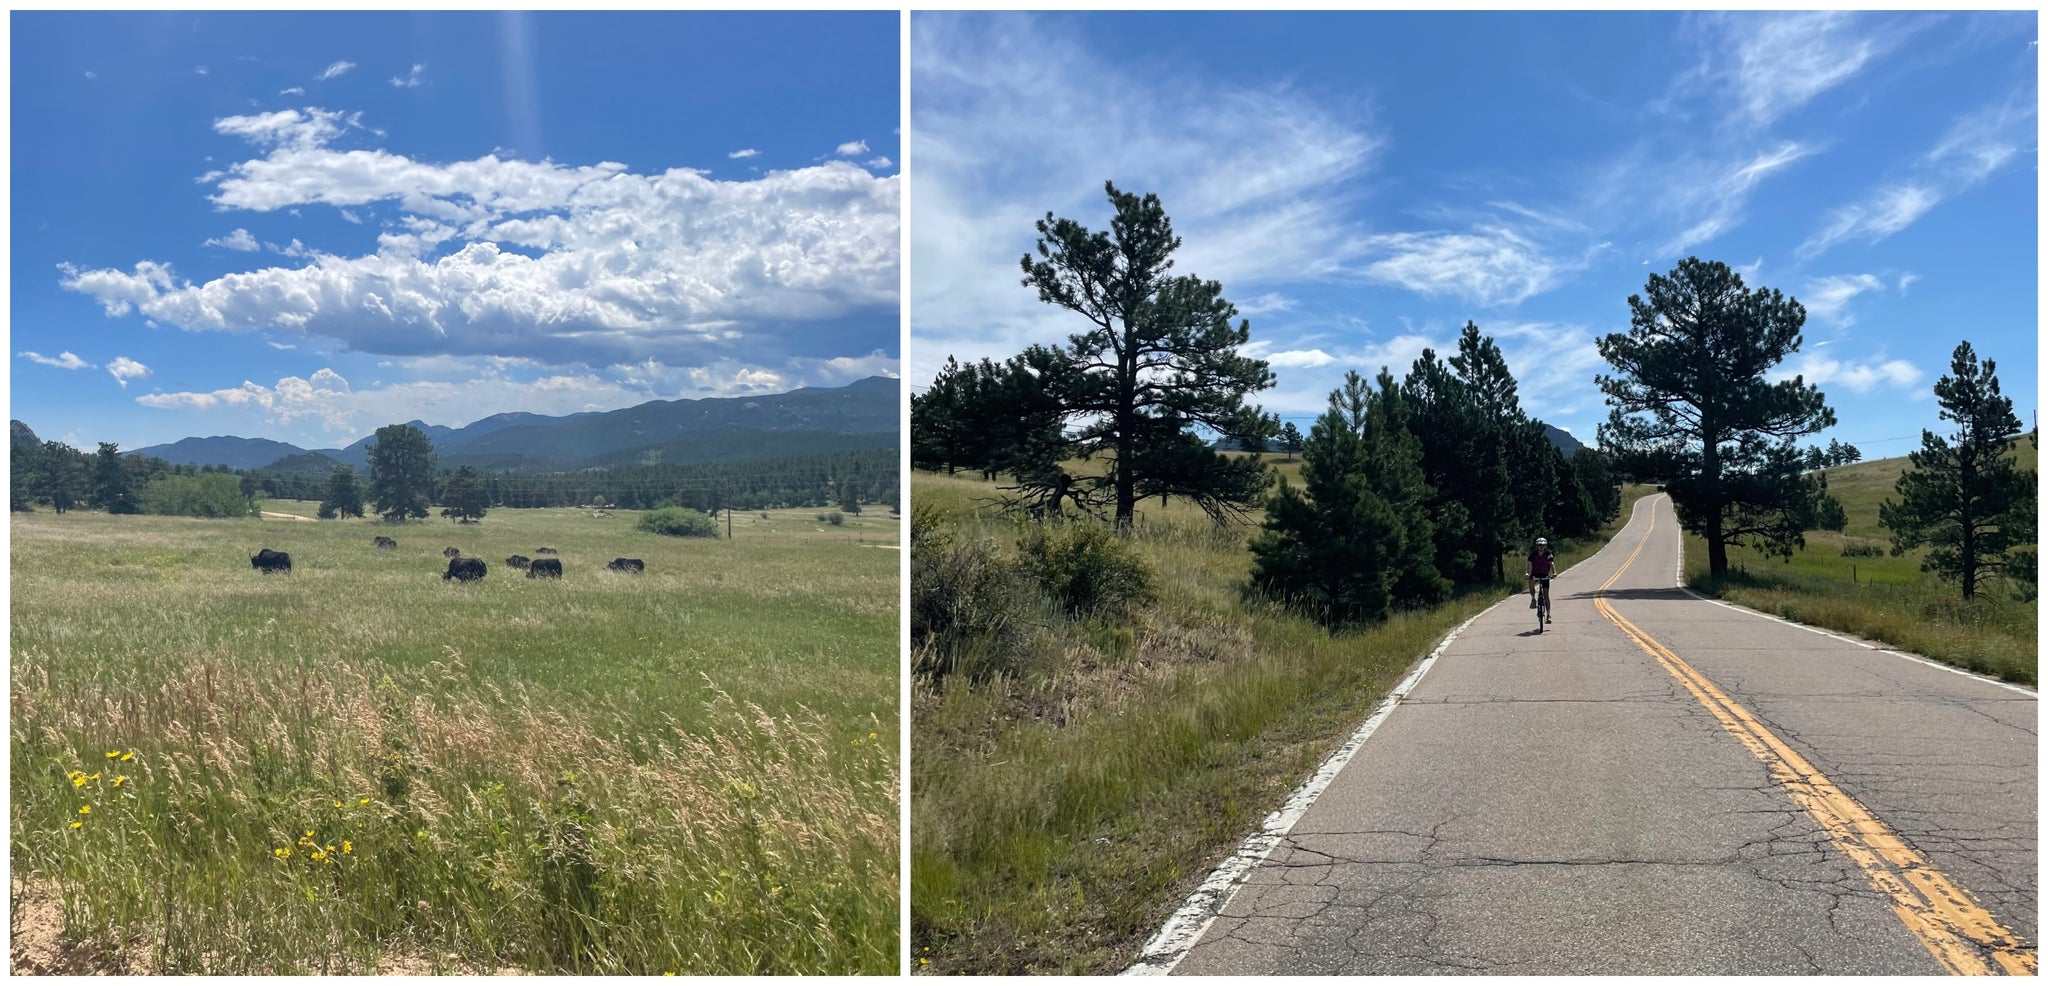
1681	788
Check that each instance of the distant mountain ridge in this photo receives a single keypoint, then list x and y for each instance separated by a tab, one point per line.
1558	436
862	414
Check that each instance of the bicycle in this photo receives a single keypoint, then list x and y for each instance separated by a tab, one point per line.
1542	600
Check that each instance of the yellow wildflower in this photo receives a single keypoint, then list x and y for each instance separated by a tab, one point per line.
347	847
364	801
130	755
111	754
85	809
77	825
118	781
337	804
282	852
79	780
871	736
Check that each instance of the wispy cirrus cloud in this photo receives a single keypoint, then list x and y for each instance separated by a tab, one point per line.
335	70
1977	146
744	152
1827	298
411	80
1254	179
1862	378
66	360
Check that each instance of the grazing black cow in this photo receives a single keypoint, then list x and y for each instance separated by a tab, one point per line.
633	565
545	551
545	568
519	561
385	542
271	562
451	552
464	569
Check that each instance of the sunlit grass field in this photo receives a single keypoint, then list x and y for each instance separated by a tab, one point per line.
360	767
1849	581
1062	810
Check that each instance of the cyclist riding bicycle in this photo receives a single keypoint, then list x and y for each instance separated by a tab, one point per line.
1541	564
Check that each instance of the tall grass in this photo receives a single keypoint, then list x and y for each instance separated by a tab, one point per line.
1848	581
359	768
1063	806
1879	598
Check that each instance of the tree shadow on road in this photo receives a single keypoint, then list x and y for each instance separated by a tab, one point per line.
1669	594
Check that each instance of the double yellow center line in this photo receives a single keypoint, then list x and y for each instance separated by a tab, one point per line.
1960	934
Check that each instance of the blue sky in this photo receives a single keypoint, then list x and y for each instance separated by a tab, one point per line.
306	226
1364	183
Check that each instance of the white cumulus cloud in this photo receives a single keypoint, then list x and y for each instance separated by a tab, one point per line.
125	369
852	147
539	259
240	239
744	152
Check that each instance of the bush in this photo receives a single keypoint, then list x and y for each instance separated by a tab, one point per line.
677	522
971	612
1858	549
203	495
833	517
1085	568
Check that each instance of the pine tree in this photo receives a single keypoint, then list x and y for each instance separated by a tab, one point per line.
1691	402
343	498
1491	497
401	472
1965	496
1160	356
1290	440
110	483
466	496
61	478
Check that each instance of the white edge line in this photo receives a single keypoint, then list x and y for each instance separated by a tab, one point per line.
1915	658
1187	925
1178	937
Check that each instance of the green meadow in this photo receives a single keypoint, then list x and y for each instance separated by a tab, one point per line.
360	767
1849	581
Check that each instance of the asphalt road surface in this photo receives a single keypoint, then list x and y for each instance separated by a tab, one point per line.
1680	787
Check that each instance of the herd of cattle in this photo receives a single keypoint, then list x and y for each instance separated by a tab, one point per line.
460	569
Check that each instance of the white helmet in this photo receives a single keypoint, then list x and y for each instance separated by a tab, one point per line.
1541	542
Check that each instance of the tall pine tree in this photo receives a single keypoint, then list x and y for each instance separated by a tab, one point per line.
1691	402
1965	496
1159	358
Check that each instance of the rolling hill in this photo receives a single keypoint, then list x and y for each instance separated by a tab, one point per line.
863	414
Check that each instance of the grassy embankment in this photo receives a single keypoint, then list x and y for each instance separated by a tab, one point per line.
359	767
1061	810
1848	581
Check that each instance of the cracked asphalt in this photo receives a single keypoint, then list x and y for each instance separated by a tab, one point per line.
1561	804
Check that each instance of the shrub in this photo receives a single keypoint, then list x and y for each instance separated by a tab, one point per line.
677	522
1859	549
1085	568
971	612
203	495
832	517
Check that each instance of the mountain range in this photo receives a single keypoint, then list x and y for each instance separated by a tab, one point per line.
863	414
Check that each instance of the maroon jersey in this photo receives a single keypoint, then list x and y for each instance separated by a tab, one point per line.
1540	562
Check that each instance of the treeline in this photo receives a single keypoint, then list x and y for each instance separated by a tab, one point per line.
871	475
1411	489
1415	488
55	475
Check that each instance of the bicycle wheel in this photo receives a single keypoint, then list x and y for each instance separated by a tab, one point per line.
1542	608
